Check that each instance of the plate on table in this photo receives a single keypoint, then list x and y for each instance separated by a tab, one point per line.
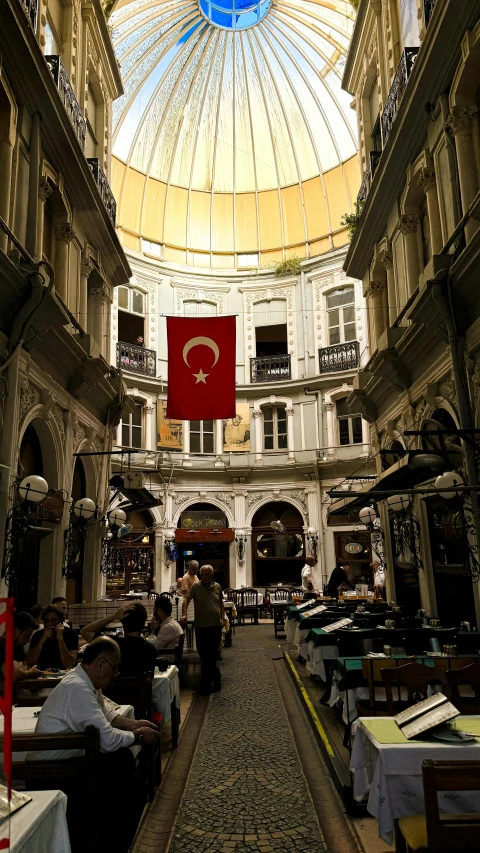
450	735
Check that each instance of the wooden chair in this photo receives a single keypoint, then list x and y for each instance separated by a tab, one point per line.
350	642
469	676
416	678
175	655
434	832
60	772
247	605
372	672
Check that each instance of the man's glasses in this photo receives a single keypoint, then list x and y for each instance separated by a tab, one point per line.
114	668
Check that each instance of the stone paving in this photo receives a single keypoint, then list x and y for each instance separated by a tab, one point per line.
246	792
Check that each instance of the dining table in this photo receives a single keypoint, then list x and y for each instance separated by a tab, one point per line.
166	698
387	770
40	826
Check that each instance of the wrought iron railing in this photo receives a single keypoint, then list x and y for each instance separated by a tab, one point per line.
339	357
397	91
270	368
67	95
104	188
368	177
428	7
136	359
31	9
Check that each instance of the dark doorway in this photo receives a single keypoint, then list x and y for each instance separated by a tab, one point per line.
277	557
271	340
354	549
24	589
214	553
74	586
130	326
450	559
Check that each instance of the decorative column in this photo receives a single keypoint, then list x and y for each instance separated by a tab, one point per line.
377	290
242	573
218	426
427	180
329	408
408	225
459	123
7	144
186	444
314	520
150	443
64	235
257	414
86	268
386	258
372	339
44	191
290	435
100	296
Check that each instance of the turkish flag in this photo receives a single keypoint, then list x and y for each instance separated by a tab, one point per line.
201	368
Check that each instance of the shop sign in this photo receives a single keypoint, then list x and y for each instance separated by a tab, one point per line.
225	534
353	548
202	519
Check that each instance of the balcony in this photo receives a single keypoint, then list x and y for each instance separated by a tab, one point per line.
270	368
67	95
368	177
104	188
30	7
428	7
339	357
136	359
397	90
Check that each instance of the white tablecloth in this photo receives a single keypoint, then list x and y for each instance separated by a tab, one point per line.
316	657
392	776
40	826
290	626
166	688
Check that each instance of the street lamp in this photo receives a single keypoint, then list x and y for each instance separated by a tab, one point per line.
367	516
33	489
81	512
446	481
398	503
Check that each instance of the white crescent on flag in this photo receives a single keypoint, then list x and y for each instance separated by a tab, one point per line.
201	341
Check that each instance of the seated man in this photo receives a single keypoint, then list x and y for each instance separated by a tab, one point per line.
61	602
138	656
164	629
76	703
56	646
23	627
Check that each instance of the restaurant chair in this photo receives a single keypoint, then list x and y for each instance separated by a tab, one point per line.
350	642
175	655
445	636
417	679
372	672
435	832
50	775
247	605
468	677
468	642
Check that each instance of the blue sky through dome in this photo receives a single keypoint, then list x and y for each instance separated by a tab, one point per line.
234	14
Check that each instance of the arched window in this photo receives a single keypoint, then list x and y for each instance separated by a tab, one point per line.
349	426
192	308
274	428
341	316
131	315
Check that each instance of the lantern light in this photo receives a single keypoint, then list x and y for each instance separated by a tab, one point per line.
398	503
85	508
116	517
33	488
367	515
446	481
169	534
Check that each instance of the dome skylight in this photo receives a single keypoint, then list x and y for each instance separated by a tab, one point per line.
234	14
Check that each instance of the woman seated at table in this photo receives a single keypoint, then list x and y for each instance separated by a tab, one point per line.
138	656
164	629
338	578
56	646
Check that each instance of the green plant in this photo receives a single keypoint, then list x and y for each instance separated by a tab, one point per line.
354	3
351	220
290	266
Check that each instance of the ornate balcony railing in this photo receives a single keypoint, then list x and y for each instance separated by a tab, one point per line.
67	95
397	91
104	188
368	177
31	9
339	357
270	368
136	359
428	7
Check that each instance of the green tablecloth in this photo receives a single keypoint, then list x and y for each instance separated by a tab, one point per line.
344	665
386	730
327	638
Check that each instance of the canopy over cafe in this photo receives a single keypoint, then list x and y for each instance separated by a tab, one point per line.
203	535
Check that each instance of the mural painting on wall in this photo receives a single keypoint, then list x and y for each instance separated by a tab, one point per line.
169	431
236	431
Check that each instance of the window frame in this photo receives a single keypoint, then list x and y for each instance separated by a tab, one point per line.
131	288
201	433
199	303
349	418
131	426
275	433
341	320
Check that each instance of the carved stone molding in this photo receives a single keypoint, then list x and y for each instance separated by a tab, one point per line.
460	119
375	287
182	497
148	410
267	295
28	398
386	258
86	267
328	405
427	179
101	294
256	413
64	231
58	417
254	497
408	223
223	498
44	189
289	412
449	391
200	296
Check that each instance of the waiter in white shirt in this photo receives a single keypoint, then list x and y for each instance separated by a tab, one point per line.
76	703
307	575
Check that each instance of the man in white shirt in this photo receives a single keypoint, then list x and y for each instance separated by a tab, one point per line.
164	629
190	577
307	576
76	703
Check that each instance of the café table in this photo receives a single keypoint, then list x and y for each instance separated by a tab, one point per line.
166	698
387	768
40	826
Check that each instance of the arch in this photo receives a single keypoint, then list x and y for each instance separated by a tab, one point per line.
269	499
208	499
338	393
273	400
50	443
91	470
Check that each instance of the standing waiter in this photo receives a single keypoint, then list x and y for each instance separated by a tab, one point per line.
209	616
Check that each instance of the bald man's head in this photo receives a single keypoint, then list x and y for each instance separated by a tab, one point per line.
193	567
101	660
206	574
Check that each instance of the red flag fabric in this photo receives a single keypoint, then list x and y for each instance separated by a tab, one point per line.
201	368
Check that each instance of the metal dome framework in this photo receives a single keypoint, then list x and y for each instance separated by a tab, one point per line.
234	140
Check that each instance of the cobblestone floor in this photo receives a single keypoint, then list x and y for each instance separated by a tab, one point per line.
246	792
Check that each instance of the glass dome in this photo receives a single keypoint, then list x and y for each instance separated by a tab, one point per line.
230	136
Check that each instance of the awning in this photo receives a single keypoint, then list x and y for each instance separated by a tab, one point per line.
398	477
138	500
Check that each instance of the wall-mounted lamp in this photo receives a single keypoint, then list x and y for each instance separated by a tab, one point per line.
312	539
241	539
446	481
81	512
28	494
368	516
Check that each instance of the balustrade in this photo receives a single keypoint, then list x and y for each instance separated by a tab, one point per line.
136	359
339	357
270	368
31	10
397	91
68	97
103	187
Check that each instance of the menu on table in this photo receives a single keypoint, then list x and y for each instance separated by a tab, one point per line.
306	604
18	800
342	623
315	611
426	715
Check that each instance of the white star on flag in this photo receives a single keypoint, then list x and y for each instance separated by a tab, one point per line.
201	377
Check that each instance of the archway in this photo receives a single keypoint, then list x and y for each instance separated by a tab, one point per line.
131	559
203	534
277	557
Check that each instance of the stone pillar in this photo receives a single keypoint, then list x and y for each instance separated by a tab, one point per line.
290	435
44	191
33	178
386	258
408	225
150	443
257	415
372	339
427	181
64	235
241	571
100	297
218	441
329	408
314	520
377	290
459	123
86	268
186	445
7	143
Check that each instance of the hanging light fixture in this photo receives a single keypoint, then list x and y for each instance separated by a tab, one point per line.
398	503
81	512
116	517
33	489
85	508
312	539
367	515
241	539
446	481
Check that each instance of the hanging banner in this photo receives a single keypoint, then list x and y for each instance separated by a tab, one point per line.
201	368
236	431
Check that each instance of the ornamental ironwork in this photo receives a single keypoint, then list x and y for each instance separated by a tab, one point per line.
270	368
136	359
68	97
455	519
31	8
397	91
339	357
406	538
104	189
75	537
428	7
368	177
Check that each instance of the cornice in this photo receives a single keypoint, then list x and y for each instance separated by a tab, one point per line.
355	54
